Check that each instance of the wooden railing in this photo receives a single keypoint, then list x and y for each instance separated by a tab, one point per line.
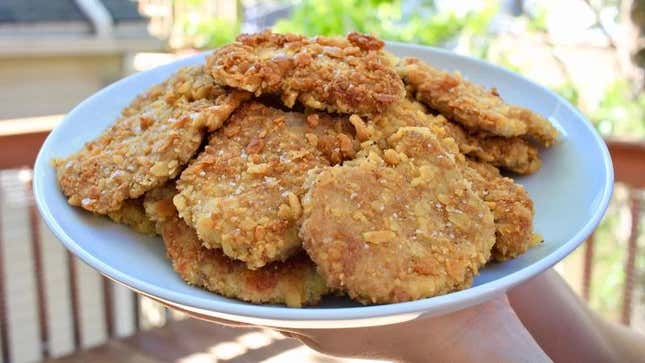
628	158
19	151
97	309
20	140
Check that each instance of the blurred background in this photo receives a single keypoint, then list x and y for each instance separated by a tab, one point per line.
53	54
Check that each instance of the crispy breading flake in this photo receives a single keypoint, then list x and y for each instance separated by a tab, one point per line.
134	216
471	105
514	154
511	206
294	282
248	203
380	238
157	134
348	75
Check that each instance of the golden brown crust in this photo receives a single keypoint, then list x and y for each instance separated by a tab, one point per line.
396	233
471	105
508	201
133	156
158	206
157	134
294	282
134	216
191	83
413	208
513	154
243	192
511	206
349	75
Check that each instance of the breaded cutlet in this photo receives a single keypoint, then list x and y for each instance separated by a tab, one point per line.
514	153
134	216
472	105
242	193
397	225
157	134
511	206
346	75
294	282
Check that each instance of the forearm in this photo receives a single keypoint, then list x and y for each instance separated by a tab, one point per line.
565	327
487	332
628	345
493	334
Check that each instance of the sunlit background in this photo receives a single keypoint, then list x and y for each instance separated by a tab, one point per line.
53	54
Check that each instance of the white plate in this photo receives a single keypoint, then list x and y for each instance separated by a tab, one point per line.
571	193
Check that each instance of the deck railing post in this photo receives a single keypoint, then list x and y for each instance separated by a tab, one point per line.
36	248
632	247
108	306
587	266
74	300
136	307
4	311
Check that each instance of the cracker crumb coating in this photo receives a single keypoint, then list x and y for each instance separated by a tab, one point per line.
242	193
471	105
294	282
347	75
398	230
190	83
157	134
513	154
158	206
511	206
510	153
133	215
392	202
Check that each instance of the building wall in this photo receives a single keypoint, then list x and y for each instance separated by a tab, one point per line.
39	86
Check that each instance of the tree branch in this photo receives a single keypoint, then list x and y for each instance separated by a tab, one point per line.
603	28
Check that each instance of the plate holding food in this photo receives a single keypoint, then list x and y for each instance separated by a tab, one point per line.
322	182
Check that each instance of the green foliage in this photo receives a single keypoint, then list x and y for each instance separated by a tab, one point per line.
405	21
210	32
608	272
193	3
620	112
640	259
503	59
537	20
569	91
203	30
